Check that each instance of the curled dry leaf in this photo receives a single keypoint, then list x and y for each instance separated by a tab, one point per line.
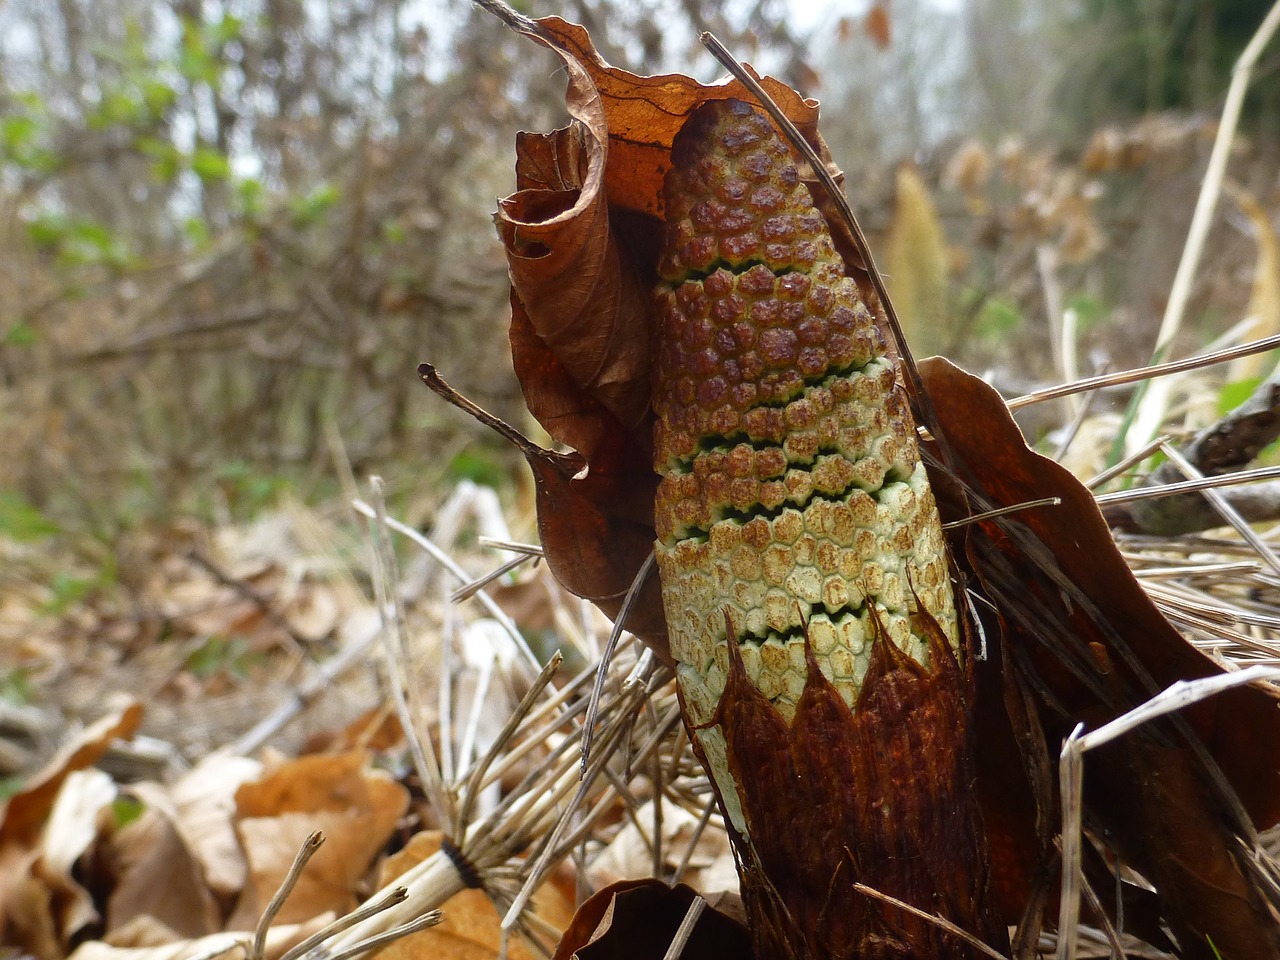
581	234
45	903
24	818
25	812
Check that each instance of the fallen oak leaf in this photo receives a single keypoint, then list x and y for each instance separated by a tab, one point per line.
158	874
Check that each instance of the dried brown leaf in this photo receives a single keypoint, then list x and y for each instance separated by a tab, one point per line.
25	812
47	905
158	875
355	807
1088	644
205	798
148	939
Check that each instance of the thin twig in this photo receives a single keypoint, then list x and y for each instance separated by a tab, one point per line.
1077	421
467	590
308	850
1186	486
1181	694
940	922
511	546
1150	372
685	930
403	688
395	933
318	681
504	737
1003	512
1155	403
628	602
263	603
449	564
1228	513
370	909
1134	458
693	840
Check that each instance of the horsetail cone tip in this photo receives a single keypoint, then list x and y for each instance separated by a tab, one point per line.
792	502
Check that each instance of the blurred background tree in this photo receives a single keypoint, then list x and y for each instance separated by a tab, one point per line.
1145	56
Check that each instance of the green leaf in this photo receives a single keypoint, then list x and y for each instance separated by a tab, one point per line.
197	231
1089	311
209	164
16	688
118	107
221	655
21	334
17	132
393	231
67	592
1233	394
47	229
167	160
474	465
310	209
126	810
157	95
227	29
997	320
21	521
250	194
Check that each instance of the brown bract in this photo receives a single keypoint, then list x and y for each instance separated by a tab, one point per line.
880	794
1083	642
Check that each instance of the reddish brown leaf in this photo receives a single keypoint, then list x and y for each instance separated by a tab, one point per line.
1089	644
355	806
